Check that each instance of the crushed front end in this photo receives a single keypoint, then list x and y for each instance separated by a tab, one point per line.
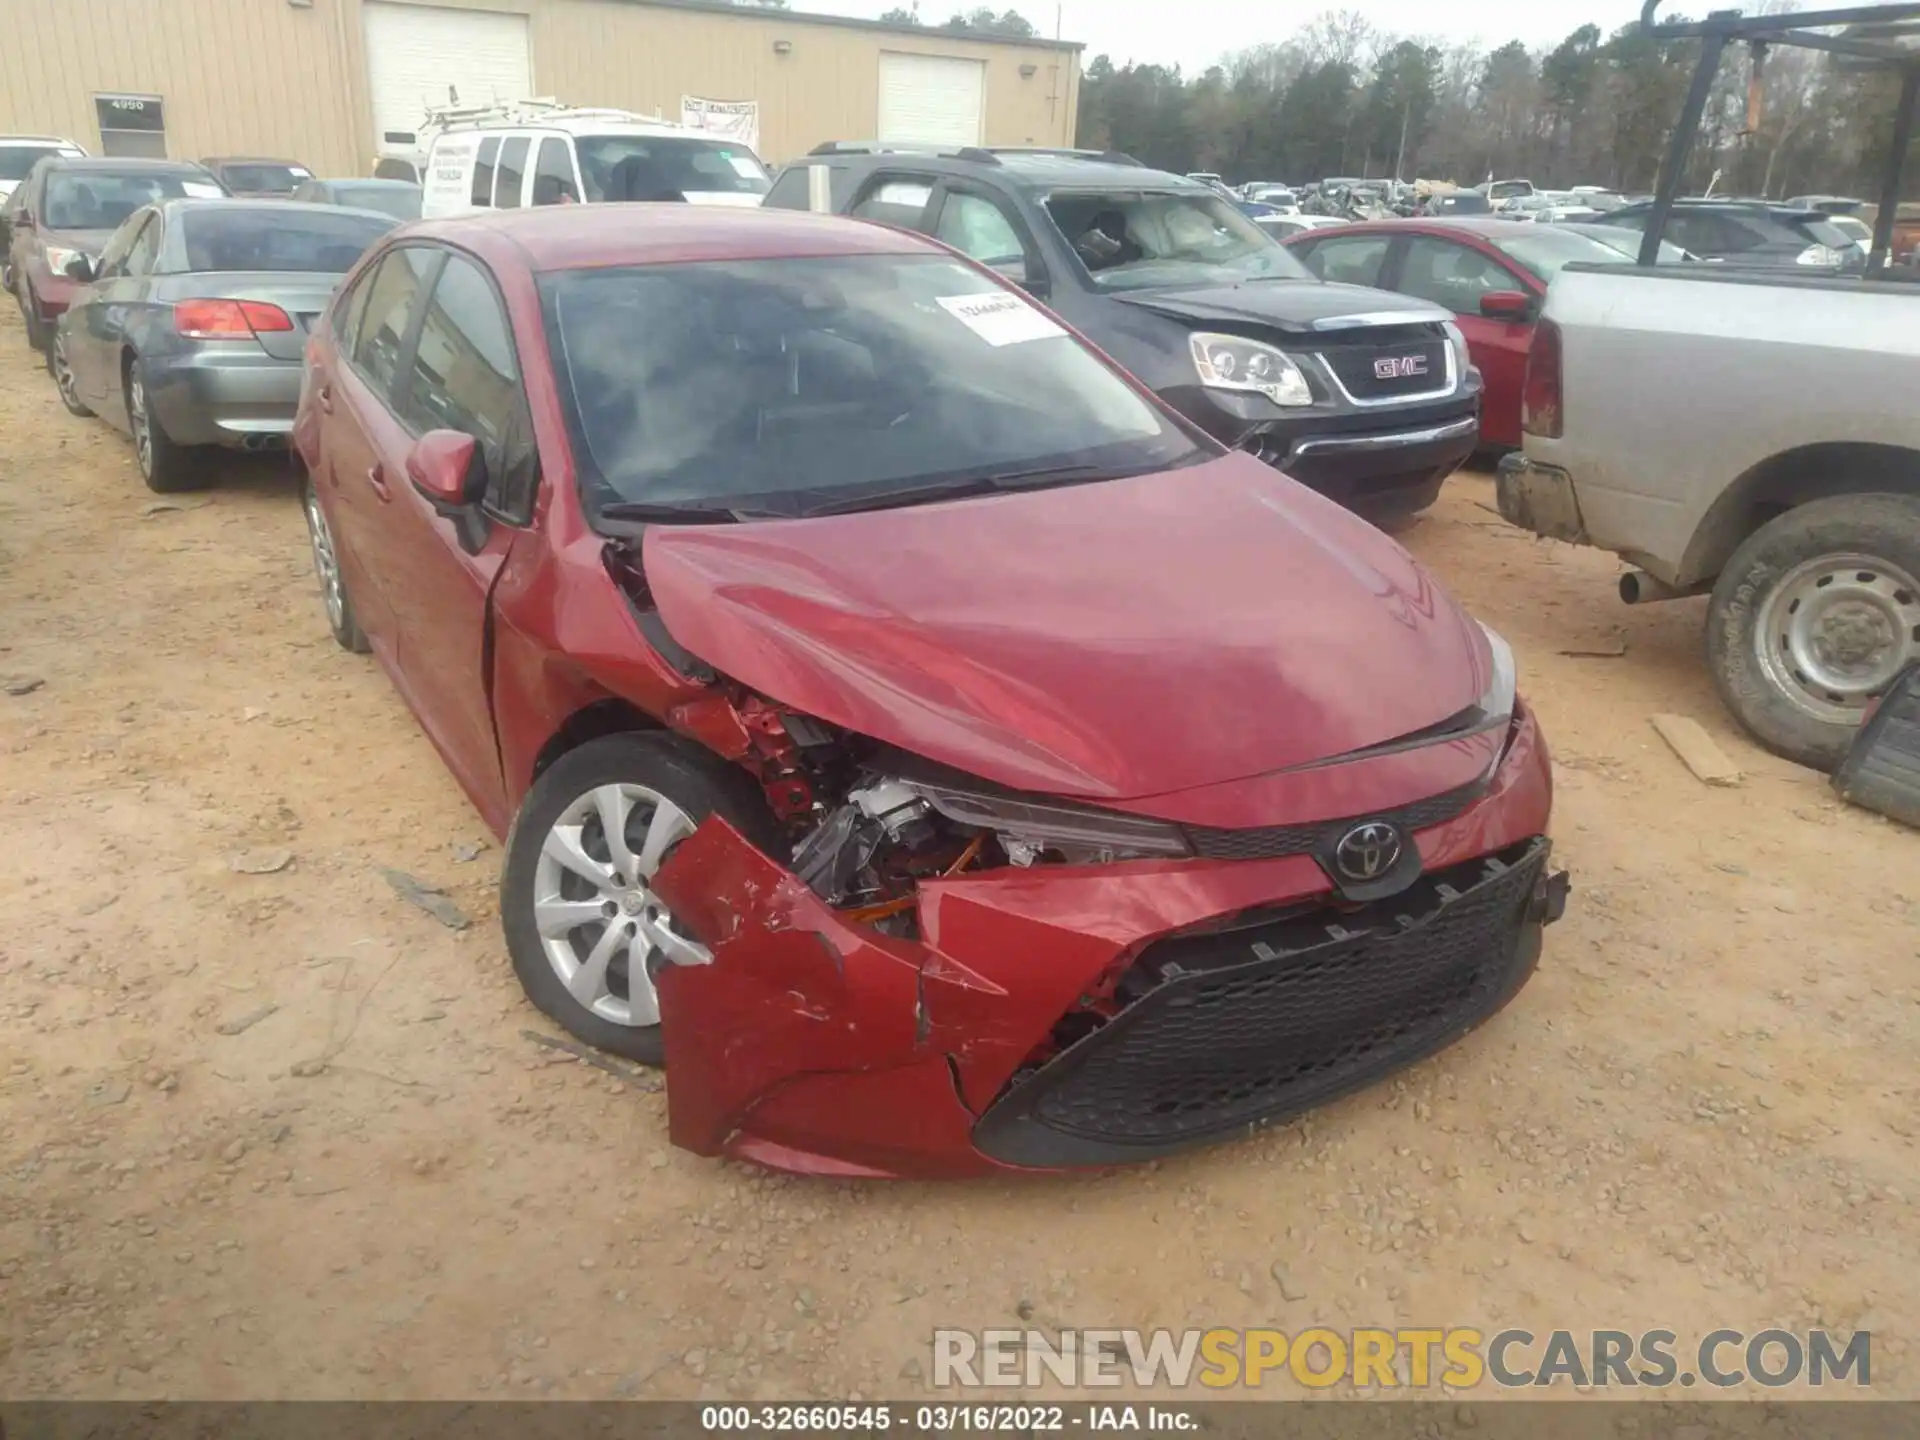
949	983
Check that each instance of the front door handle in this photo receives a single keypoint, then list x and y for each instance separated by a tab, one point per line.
323	397
377	478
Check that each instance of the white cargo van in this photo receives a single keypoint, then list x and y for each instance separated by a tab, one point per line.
537	154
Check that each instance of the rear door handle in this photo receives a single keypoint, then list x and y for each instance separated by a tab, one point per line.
377	478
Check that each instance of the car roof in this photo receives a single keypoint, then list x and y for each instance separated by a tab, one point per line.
124	163
575	237
35	140
371	182
248	160
272	209
578	125
1040	169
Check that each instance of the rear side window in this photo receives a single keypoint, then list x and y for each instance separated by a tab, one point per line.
464	378
483	170
513	165
391	302
895	202
789	190
347	313
145	248
281	239
553	173
980	230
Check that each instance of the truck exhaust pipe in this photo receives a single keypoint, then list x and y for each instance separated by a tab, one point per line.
1639	588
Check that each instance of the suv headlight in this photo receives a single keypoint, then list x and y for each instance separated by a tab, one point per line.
1047	825
58	258
1231	362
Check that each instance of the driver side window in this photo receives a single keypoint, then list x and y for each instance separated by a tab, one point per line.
146	249
980	230
113	259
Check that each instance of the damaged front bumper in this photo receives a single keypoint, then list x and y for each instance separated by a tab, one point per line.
1068	1016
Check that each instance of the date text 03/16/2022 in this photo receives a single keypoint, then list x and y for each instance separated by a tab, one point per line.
942	1419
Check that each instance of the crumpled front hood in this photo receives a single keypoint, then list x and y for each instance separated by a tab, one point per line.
1291	305
1109	641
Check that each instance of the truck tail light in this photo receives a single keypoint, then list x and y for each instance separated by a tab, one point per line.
228	319
1540	398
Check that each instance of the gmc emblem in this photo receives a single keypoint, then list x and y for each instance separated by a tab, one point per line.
1396	367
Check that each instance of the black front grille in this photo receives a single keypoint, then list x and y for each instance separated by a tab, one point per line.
1277	840
1390	372
1246	1026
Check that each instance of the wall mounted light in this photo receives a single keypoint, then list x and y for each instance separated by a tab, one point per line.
783	47
1027	71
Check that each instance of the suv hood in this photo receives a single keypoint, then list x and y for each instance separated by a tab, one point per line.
1110	641
1301	307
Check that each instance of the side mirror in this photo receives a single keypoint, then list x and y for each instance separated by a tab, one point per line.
447	467
1506	305
81	268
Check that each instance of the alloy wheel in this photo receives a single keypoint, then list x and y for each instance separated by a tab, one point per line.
601	926
138	422
326	564
63	372
1836	630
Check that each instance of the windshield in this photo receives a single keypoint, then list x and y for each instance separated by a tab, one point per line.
787	385
250	238
1129	240
1545	250
667	167
264	179
100	199
17	160
402	202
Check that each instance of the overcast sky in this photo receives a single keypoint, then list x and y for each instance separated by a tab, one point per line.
1194	33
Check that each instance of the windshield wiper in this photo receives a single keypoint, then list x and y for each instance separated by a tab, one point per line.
667	512
920	492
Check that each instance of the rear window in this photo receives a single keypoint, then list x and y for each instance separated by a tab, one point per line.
100	199
666	167
402	202
264	179
1824	232
247	239
17	160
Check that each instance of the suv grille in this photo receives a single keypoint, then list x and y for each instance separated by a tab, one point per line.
1244	1027
1390	372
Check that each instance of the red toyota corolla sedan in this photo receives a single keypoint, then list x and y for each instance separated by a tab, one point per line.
1491	273
941	756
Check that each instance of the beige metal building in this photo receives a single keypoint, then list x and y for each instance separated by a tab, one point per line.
334	83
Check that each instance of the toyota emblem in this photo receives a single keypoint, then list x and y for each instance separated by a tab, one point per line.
1367	851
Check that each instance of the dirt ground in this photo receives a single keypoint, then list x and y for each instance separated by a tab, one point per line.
283	1134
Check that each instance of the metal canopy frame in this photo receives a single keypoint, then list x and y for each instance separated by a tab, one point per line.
1869	39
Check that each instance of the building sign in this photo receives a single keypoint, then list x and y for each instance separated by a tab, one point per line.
131	125
130	112
736	120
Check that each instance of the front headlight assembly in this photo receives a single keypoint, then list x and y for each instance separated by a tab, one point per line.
1457	339
1026	826
1497	702
1232	362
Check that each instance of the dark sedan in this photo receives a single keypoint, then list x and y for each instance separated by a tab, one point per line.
398	198
253	178
1751	232
190	330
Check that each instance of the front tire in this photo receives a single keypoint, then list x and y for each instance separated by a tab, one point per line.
166	467
585	932
1813	617
30	313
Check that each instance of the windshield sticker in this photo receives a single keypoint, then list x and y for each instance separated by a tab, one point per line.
199	190
300	170
744	167
998	318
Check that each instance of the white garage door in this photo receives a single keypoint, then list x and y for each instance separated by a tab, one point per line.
930	99
416	52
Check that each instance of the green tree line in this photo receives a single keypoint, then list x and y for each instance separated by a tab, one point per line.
1340	97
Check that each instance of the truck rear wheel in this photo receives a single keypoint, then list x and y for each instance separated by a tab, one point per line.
1812	619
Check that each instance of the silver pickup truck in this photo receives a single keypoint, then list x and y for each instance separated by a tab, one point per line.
1753	436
